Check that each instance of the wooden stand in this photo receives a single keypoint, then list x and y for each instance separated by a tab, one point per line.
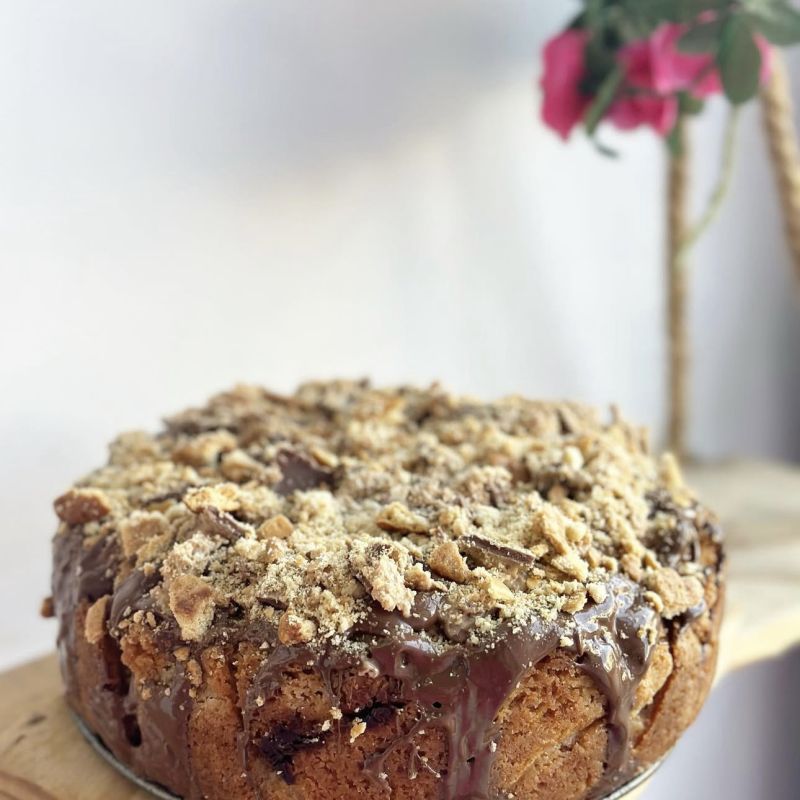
44	757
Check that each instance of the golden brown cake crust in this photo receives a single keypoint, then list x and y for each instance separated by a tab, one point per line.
386	593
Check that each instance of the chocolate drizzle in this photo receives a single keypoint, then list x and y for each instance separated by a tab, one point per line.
97	567
611	649
461	688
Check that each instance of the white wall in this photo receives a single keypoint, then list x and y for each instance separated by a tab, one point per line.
195	193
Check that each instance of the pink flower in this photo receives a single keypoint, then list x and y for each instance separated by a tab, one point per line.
675	71
564	103
641	103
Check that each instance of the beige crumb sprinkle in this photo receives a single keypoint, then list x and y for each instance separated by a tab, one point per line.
549	524
597	591
94	628
277	527
446	560
191	600
678	594
204	449
294	629
495	588
249	547
574	602
223	496
139	528
573	565
310	512
397	517
79	506
670	472
654	599
381	567
357	729
573	457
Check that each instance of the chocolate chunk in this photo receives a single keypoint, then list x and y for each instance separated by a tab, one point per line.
280	746
479	546
301	474
220	523
564	425
378	715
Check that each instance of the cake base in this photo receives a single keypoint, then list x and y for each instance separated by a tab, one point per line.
629	791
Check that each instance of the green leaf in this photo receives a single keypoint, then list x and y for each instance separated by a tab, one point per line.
594	13
658	11
600	60
778	22
739	60
702	38
689	104
673	140
605	96
578	21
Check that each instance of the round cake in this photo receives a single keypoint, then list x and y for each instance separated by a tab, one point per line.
360	592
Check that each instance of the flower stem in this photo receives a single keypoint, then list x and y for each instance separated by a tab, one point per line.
681	238
720	190
677	335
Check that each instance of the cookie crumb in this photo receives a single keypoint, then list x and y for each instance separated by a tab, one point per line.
446	560
191	601
278	527
357	729
95	626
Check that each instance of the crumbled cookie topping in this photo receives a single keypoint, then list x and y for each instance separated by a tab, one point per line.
307	512
95	624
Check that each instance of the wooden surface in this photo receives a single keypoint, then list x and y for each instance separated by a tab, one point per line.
42	754
759	504
44	757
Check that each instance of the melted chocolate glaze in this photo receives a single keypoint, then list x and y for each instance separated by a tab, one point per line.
457	689
97	568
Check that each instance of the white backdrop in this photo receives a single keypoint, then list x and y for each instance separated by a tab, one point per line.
197	193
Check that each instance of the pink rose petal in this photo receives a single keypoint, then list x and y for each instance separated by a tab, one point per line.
564	103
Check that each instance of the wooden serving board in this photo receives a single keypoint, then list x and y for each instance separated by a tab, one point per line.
44	757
